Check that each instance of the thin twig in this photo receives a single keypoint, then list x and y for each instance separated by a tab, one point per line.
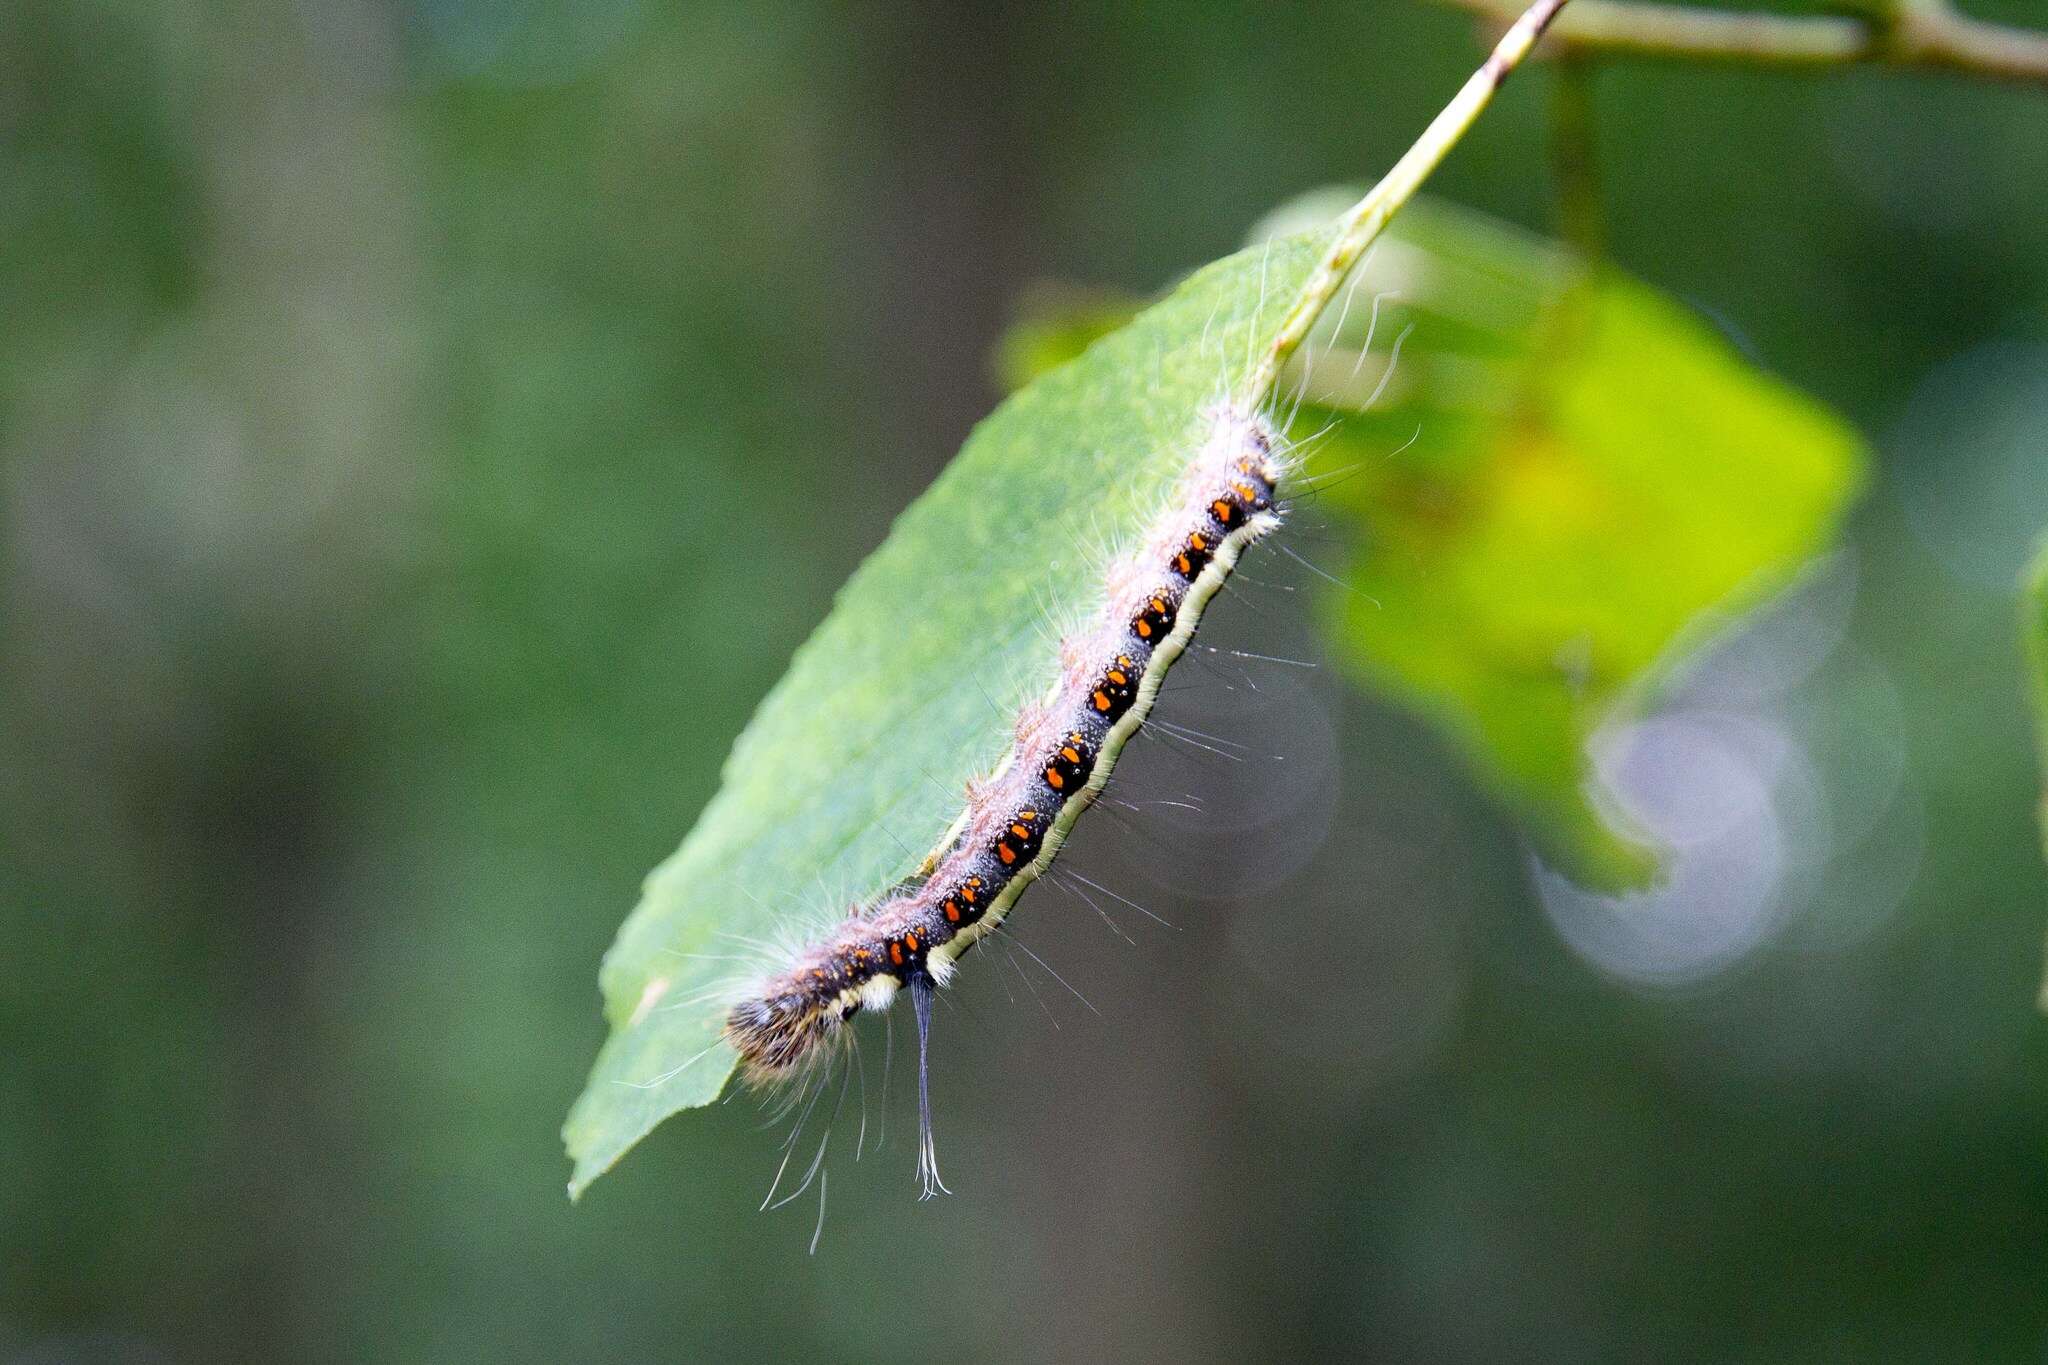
1924	34
1369	216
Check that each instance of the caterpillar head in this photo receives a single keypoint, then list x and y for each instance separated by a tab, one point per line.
788	1029
798	1020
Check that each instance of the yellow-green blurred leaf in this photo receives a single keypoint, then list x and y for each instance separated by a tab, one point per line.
1568	479
1565	482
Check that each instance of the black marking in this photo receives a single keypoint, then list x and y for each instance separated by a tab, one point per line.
963	905
1154	621
1019	841
1115	690
1070	763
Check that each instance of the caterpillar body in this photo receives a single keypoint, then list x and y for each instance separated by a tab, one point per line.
1016	819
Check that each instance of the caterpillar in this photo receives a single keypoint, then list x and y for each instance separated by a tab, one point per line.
1015	820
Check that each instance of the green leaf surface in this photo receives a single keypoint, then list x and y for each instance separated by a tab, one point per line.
1568	481
856	763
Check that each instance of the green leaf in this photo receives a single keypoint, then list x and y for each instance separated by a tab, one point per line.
2034	639
856	764
1569	481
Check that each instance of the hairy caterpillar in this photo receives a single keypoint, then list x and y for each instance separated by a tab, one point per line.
810	775
1015	820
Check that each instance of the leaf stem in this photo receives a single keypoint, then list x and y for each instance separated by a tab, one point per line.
1370	215
1922	34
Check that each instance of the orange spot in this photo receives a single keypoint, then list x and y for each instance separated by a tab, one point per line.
1144	629
952	910
896	953
1101	700
1197	542
910	941
1117	676
1006	853
1054	780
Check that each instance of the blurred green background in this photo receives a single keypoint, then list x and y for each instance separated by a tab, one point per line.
428	427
